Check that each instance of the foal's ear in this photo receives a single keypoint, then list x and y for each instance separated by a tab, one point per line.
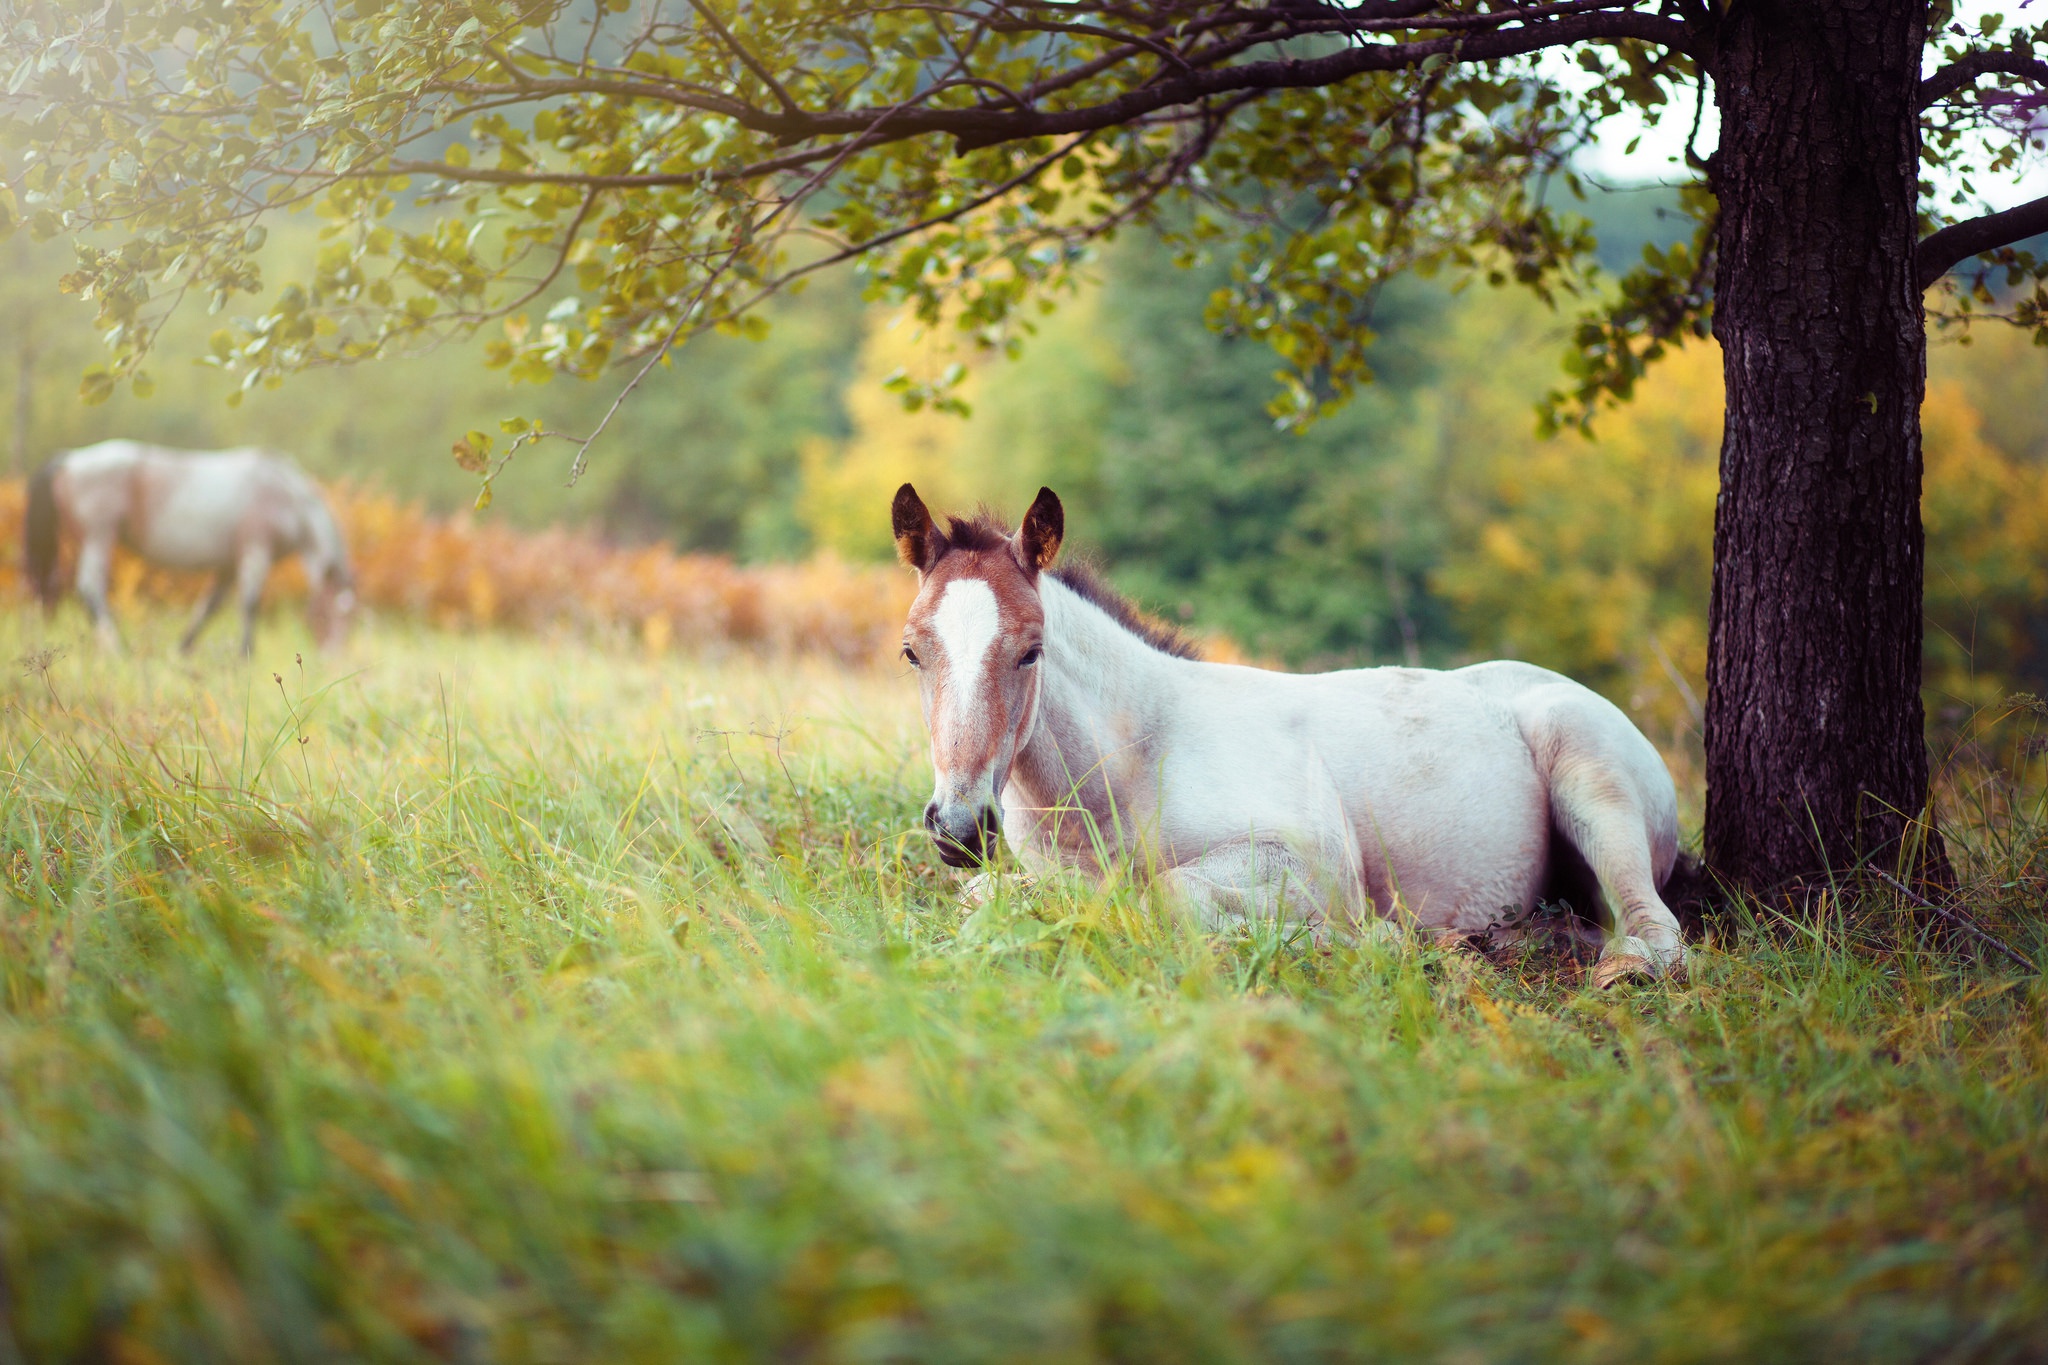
1044	526
918	542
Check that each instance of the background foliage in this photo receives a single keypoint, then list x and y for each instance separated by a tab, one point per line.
1426	521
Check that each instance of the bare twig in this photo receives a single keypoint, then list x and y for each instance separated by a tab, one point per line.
37	664
1960	921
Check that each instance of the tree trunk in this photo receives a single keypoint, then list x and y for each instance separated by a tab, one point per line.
1816	756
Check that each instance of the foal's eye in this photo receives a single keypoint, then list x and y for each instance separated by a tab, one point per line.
911	656
1031	656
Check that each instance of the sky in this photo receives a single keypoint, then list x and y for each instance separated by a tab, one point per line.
1660	154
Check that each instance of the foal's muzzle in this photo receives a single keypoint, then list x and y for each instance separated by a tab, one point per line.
968	845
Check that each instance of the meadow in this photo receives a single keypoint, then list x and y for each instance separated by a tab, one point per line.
537	998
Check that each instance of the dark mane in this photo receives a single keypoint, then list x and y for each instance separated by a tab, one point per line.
1088	583
985	531
982	531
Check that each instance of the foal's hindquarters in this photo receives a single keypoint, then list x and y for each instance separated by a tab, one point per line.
1424	798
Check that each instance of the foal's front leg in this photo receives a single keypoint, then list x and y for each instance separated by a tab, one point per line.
1256	881
215	595
250	572
95	567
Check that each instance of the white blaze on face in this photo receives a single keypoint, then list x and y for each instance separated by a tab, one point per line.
965	623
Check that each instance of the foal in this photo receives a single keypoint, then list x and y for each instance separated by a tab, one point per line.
235	512
1059	720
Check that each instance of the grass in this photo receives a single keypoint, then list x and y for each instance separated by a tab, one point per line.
495	1000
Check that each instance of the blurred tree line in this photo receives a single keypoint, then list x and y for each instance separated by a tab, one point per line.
1424	522
704	456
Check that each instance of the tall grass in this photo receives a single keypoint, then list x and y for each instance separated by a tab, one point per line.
485	999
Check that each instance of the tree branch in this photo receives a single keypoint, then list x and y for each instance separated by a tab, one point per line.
552	87
688	315
752	63
1968	68
1941	252
491	175
561	257
983	126
986	124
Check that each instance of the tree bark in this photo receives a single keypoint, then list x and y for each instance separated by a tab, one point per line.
1816	756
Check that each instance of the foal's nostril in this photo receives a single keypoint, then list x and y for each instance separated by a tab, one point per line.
960	845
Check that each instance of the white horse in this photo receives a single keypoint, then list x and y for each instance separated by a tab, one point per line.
1449	800
234	512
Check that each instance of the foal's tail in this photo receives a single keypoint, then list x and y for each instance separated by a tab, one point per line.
39	535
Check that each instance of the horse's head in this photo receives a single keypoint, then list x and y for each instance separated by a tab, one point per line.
331	607
975	636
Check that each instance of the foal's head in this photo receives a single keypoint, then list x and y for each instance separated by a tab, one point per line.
975	636
331	606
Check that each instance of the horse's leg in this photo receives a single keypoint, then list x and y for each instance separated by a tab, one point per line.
215	595
1608	832
250	572
1611	799
1602	800
1251	882
95	567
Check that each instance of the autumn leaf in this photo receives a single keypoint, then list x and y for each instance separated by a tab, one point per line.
473	452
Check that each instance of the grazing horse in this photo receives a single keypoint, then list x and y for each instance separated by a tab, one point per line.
1454	800
235	512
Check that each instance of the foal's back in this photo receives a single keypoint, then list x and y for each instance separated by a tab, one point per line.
190	509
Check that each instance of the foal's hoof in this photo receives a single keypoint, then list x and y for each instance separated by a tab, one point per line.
1614	968
980	889
1631	959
